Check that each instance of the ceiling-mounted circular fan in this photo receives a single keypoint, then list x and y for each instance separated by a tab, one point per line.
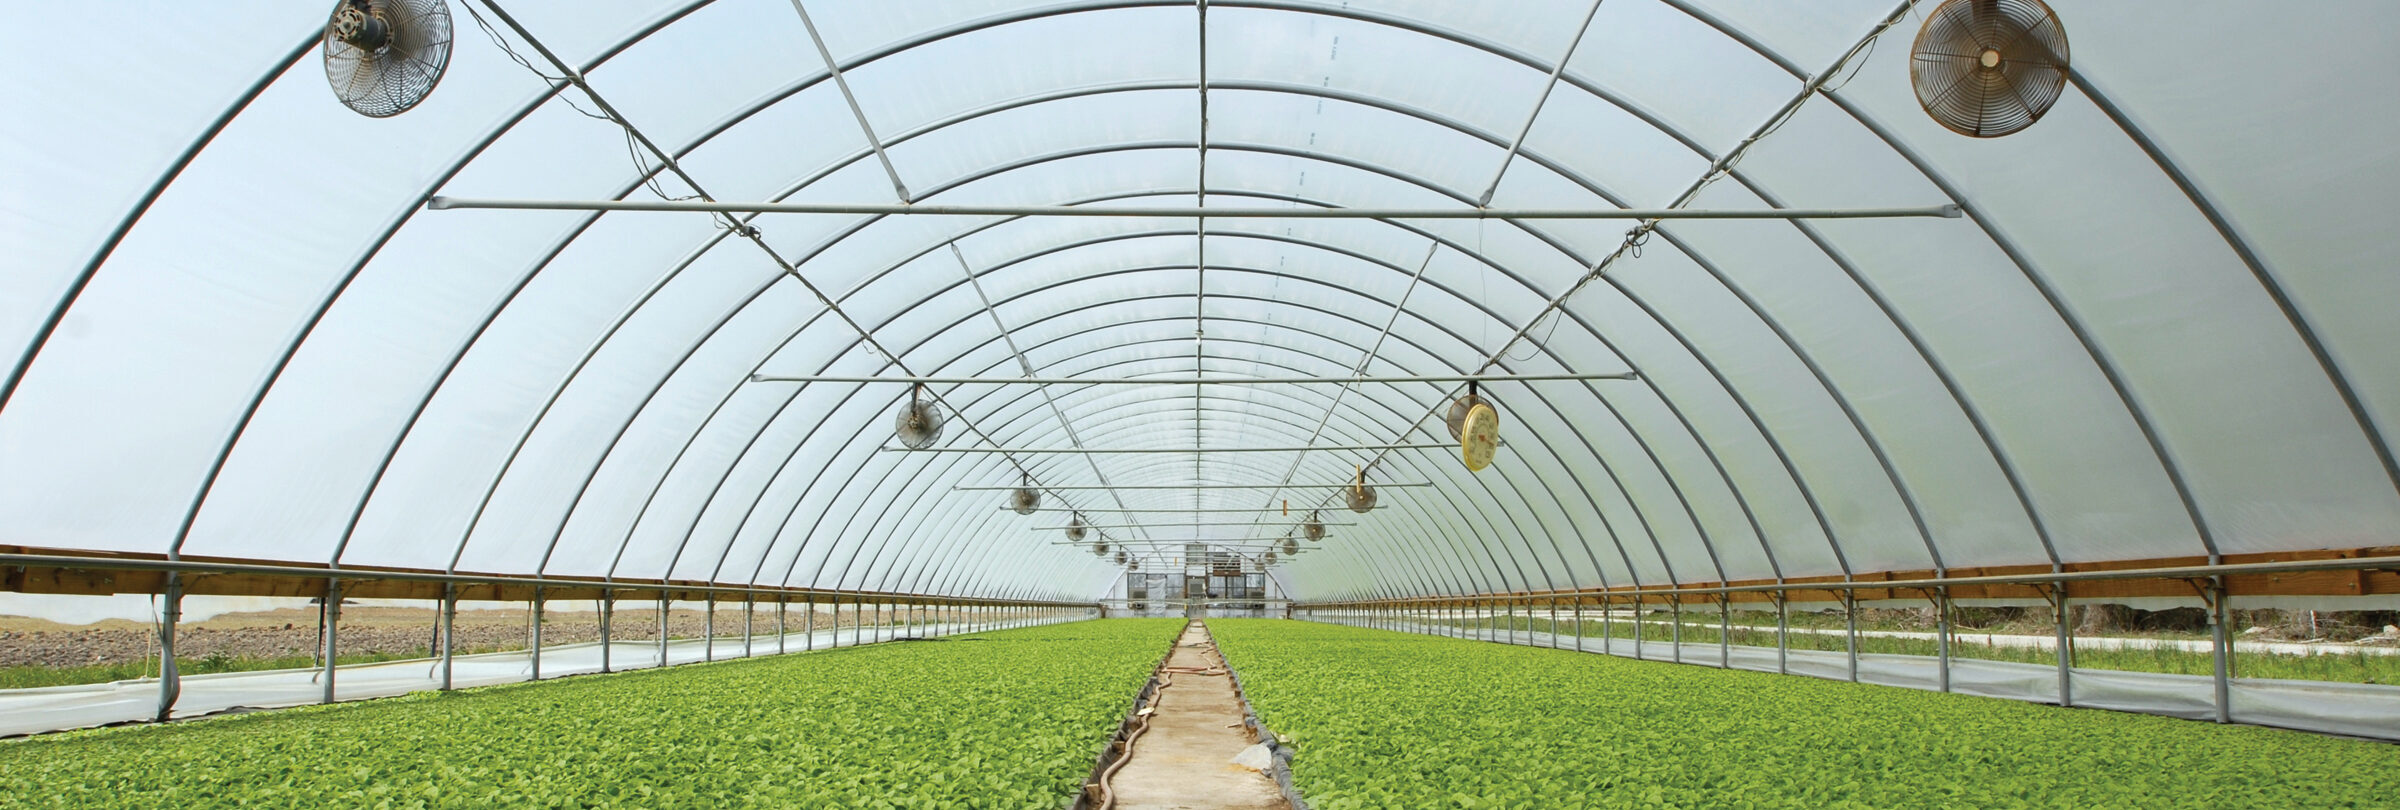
384	56
1100	549
1456	420
1268	560
1313	528
1987	68
919	423
1291	546
1359	496
1076	530
1024	500
1123	558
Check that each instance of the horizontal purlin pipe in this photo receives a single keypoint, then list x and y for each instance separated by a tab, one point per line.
2184	572
1192	486
1444	378
443	203
1163	526
67	561
1164	509
1102	451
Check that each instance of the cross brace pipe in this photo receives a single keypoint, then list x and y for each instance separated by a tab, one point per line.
1116	450
1439	378
1344	485
447	203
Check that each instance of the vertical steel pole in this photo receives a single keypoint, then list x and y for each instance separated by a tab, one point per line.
662	628
1783	632
536	646
708	629
781	607
1724	632
608	609
2066	646
449	628
333	621
808	623
1579	624
1941	607
170	611
749	603
2220	616
1608	626
1675	631
1850	617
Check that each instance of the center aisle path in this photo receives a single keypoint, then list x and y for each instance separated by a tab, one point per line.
1185	759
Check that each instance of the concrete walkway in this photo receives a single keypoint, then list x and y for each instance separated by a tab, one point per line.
1185	758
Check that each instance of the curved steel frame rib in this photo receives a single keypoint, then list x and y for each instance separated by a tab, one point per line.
2138	413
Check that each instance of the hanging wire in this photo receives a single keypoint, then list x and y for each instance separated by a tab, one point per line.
642	168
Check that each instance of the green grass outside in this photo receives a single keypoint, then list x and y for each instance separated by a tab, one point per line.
1748	630
1009	718
1382	719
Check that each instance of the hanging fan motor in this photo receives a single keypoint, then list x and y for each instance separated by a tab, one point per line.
1359	496
1987	68
1024	500
1291	546
919	424
1099	549
384	56
1123	558
1269	560
1313	528
1076	530
1456	420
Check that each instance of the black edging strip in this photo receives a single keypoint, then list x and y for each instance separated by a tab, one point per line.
1113	750
1282	769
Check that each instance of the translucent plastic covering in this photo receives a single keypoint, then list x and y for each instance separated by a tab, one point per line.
2162	329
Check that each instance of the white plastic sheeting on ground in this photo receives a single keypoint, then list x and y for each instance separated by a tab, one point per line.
2360	710
56	708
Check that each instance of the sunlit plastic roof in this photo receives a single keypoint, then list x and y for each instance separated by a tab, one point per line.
2163	328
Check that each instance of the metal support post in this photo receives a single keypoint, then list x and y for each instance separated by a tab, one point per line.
1941	624
331	610
1783	633
708	630
2066	646
749	602
662	628
1608	626
2220	621
536	646
170	611
1579	624
808	624
781	607
608	609
1724	632
1850	618
449	626
1675	631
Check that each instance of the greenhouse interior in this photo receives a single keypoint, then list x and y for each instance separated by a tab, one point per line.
1216	404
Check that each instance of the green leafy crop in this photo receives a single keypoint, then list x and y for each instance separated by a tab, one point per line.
1005	719
1385	719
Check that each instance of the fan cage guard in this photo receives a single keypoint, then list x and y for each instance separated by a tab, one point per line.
395	78
918	425
1987	68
